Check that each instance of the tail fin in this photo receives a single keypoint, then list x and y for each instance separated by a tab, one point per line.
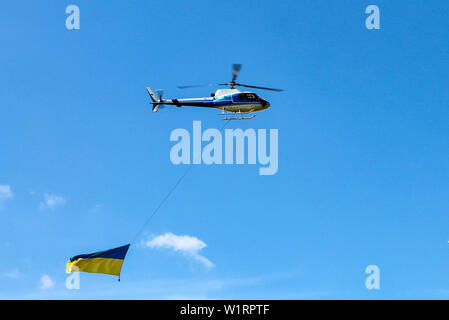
154	99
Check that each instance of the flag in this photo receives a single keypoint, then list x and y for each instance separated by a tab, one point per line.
108	262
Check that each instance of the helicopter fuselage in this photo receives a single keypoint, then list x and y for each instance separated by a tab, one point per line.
229	100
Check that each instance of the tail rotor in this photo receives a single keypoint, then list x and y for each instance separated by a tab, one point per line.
156	100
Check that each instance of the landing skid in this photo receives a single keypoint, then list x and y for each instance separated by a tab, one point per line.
233	116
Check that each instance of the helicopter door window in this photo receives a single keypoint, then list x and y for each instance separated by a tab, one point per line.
238	97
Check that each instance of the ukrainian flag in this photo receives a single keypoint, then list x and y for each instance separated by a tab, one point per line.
108	262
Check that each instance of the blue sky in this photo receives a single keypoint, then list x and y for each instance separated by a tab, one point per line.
363	149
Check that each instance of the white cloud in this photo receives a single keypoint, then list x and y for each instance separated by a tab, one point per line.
46	282
14	274
52	201
5	192
185	244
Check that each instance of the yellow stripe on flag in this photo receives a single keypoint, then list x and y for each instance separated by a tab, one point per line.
96	265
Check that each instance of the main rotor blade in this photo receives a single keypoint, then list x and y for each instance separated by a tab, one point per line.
256	87
196	86
235	70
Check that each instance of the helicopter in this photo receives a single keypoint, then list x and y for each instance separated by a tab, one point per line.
231	101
